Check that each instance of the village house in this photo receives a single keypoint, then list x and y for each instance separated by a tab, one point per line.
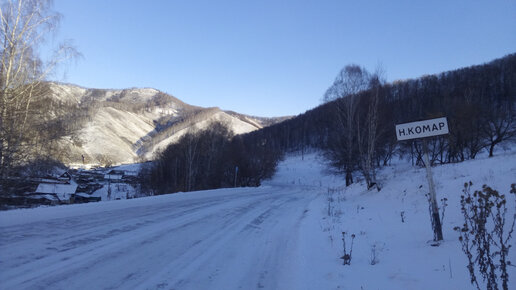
62	187
114	175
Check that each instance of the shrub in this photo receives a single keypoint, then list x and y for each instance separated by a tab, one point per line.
485	235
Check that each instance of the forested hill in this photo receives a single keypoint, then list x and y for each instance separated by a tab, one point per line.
479	102
356	129
113	126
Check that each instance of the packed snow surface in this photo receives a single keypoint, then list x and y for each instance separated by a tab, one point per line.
286	234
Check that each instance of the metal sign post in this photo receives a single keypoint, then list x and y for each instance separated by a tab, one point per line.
436	221
423	129
236	174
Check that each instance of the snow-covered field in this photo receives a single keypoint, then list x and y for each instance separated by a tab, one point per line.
285	234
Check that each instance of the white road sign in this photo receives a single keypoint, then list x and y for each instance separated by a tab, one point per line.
421	129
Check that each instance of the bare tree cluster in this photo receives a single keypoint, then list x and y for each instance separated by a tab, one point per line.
355	125
212	158
351	80
24	24
357	96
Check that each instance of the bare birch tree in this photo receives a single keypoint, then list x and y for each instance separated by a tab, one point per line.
351	80
367	130
24	24
190	155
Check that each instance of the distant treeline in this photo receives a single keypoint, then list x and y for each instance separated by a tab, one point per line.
355	128
211	158
479	102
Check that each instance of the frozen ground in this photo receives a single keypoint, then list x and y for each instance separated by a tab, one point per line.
285	234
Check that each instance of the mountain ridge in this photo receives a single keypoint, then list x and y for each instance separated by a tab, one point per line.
132	125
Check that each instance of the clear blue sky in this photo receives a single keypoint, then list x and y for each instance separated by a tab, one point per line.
272	58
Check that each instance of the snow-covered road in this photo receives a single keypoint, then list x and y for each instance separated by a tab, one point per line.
286	234
224	239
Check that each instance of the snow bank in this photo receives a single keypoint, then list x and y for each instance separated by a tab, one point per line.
404	257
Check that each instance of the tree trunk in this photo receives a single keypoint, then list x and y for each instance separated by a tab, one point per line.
491	149
349	178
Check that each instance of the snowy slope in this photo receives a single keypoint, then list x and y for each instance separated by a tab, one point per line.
283	235
112	133
406	260
125	120
236	125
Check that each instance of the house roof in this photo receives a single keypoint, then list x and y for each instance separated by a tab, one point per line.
57	188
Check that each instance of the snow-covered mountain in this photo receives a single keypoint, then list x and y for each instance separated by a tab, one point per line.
124	126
